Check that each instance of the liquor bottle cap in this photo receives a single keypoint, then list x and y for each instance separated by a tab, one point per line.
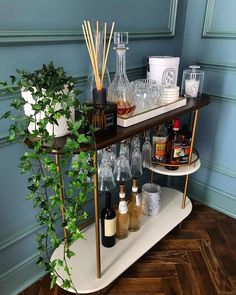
135	183
176	124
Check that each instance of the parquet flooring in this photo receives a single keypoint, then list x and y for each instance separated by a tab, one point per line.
197	259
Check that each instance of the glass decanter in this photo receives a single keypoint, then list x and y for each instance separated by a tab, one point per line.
120	90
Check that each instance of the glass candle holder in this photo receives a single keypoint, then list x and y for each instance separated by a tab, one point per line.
192	82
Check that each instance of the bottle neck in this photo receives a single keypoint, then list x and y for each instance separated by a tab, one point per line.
108	201
121	60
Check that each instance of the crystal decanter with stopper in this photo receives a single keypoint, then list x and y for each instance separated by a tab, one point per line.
120	88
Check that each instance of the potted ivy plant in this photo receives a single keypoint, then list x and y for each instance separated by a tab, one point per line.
45	101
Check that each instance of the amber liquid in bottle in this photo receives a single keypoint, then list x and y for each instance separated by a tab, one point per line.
174	147
122	216
134	208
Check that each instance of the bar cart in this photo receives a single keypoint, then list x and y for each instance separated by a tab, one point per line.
92	270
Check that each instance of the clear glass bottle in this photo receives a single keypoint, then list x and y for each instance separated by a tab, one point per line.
192	82
159	143
134	207
122	216
120	90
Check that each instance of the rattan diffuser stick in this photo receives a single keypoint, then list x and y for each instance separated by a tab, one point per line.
93	49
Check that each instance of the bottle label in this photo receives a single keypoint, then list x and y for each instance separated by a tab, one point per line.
110	227
177	150
122	195
160	149
109	120
138	200
134	189
123	207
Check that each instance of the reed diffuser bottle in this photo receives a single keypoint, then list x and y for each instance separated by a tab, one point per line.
119	91
104	114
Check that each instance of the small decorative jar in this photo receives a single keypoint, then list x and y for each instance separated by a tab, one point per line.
192	82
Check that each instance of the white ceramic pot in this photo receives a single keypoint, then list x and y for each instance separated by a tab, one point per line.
163	69
53	129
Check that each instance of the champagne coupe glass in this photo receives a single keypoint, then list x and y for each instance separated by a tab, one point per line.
105	177
122	170
147	152
136	162
135	142
124	149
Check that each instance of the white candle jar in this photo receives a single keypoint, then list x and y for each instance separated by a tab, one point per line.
192	82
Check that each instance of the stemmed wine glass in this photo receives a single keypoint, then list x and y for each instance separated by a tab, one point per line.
147	151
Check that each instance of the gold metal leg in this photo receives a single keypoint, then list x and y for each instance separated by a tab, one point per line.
57	158
152	176
190	158
96	208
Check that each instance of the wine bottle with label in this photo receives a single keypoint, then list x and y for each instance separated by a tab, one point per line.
134	207
108	224
122	216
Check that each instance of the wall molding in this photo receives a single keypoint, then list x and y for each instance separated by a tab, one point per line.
26	271
213	197
27	37
15	237
208	31
217	67
218	168
222	98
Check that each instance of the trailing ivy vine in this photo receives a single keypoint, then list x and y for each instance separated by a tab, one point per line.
58	181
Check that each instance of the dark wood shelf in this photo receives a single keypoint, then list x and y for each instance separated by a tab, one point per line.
122	133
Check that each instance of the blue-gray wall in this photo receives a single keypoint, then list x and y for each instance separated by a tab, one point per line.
210	40
36	32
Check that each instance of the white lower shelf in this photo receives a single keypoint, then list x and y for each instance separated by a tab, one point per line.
117	259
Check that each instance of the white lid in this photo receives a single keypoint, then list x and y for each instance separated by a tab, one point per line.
163	60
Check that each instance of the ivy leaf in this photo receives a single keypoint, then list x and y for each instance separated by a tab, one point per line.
53	280
5	115
66	284
70	253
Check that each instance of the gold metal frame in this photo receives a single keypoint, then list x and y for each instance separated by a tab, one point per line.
190	158
96	213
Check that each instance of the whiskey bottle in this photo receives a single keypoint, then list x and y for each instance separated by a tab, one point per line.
174	146
186	144
159	143
134	207
108	224
122	216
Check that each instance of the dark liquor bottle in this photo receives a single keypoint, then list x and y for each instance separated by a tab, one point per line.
186	144
174	146
108	224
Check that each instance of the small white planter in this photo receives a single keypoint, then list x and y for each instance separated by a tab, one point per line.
53	129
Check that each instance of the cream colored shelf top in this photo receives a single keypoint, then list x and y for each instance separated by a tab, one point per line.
117	259
183	170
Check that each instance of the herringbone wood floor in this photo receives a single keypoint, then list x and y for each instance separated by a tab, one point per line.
198	259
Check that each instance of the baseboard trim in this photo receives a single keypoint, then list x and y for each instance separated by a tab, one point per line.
27	271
